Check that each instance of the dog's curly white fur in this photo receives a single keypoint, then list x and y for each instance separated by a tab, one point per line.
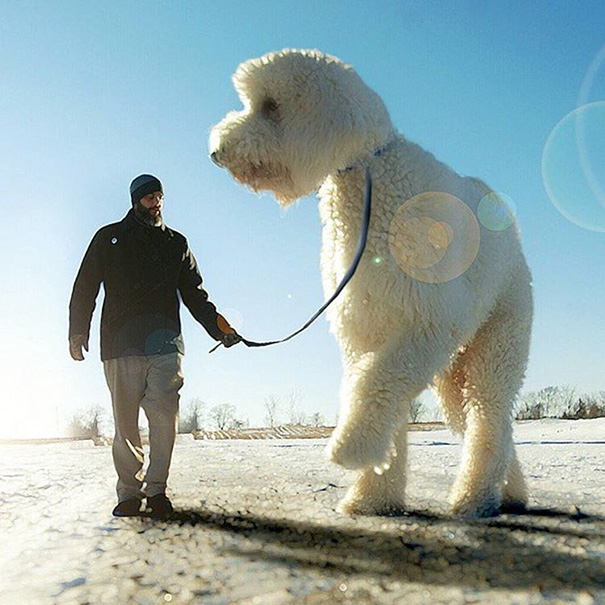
404	322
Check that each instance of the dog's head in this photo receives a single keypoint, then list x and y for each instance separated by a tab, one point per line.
306	115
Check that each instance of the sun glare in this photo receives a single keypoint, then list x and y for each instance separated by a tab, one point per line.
33	401
30	421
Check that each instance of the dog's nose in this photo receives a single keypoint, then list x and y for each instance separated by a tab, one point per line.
214	156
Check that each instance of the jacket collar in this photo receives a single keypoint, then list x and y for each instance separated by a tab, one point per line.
131	223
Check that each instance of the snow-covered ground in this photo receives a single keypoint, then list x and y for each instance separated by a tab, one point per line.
256	523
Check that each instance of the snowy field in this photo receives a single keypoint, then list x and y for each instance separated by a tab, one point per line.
256	523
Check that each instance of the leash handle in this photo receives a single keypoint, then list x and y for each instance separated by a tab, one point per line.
363	238
215	347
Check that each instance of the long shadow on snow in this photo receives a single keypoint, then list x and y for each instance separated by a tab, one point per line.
511	551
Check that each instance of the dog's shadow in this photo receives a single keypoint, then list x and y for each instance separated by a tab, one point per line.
546	548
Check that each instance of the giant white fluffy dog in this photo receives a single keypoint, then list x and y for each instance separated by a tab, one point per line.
441	298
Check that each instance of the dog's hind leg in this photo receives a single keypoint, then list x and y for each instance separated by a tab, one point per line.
450	390
494	365
380	491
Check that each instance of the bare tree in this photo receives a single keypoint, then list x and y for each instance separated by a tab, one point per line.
563	400
86	424
529	407
316	419
295	414
271	409
588	405
238	423
436	414
190	419
222	415
550	402
417	409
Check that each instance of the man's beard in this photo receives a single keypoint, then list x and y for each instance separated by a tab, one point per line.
145	216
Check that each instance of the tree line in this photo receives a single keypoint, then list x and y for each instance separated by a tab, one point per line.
560	402
551	402
196	415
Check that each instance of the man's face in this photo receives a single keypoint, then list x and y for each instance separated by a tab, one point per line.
149	208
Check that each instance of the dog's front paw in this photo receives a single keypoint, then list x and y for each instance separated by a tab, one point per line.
360	449
476	508
355	503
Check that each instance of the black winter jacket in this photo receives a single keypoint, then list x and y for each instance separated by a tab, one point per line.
143	270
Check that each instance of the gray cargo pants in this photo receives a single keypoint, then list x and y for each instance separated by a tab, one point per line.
152	383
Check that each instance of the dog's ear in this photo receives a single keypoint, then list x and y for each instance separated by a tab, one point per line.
358	123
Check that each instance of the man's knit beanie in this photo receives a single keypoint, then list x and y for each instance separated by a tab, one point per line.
143	185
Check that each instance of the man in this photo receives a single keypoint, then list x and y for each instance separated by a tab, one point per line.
144	266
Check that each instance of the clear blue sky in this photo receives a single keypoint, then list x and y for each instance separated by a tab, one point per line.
94	93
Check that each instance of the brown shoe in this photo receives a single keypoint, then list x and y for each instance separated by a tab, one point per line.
128	508
160	505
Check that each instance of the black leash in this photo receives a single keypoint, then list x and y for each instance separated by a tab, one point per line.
363	237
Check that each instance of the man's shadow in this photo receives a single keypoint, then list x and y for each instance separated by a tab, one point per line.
546	548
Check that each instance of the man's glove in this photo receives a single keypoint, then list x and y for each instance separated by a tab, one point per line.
76	343
230	339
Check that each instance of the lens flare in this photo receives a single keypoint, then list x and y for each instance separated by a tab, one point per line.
434	237
496	211
573	166
588	83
